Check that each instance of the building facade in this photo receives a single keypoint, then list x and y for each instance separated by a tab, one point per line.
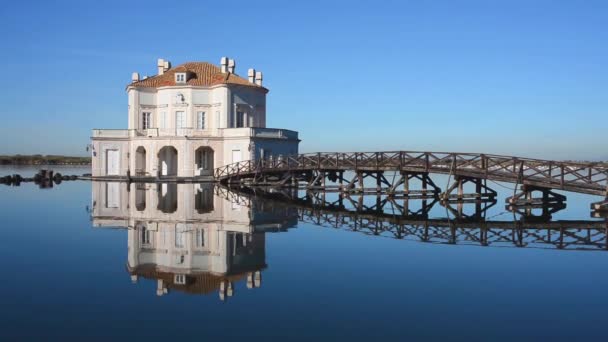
188	120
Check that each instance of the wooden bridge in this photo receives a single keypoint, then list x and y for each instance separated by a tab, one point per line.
347	172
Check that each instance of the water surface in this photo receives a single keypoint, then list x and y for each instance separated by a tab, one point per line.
93	260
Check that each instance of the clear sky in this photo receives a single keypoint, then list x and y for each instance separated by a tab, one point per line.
516	77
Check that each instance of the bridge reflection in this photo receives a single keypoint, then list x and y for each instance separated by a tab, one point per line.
202	238
384	216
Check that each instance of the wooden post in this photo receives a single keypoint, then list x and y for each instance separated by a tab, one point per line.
460	188
424	185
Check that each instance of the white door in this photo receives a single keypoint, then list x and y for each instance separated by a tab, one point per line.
236	156
112	162
112	195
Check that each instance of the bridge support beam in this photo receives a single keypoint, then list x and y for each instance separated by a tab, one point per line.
524	202
482	191
478	213
600	209
357	183
528	215
428	188
525	197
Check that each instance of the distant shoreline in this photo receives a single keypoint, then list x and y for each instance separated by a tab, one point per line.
38	159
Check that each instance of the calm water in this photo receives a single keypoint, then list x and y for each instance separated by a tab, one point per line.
93	260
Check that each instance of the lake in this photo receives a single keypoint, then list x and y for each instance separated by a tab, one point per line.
96	260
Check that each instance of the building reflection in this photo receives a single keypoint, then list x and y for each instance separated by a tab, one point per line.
188	238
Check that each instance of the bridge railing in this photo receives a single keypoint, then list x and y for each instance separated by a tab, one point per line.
556	174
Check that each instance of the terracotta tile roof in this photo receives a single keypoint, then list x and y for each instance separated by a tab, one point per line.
202	74
201	283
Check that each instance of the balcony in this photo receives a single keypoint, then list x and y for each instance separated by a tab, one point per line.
150	132
254	132
111	133
244	132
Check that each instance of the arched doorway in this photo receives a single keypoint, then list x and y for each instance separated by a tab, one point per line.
203	199
203	157
167	197
140	196
167	161
140	161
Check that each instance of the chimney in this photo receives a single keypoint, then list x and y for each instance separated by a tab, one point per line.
224	63
135	77
231	65
167	66
251	75
161	66
258	78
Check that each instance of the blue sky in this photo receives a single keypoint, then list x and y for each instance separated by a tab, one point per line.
516	77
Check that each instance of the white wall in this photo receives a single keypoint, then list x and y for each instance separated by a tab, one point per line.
223	99
99	162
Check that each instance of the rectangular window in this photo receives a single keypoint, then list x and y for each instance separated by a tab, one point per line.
200	120
145	237
240	119
145	124
200	238
179	279
180	119
180	236
180	78
163	120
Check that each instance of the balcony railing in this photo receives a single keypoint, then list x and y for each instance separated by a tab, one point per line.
254	132
110	133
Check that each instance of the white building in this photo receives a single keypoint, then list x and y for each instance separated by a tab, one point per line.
188	120
189	237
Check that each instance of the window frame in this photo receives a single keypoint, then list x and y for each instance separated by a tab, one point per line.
180	77
240	118
200	238
146	120
182	122
180	235
145	237
201	117
179	279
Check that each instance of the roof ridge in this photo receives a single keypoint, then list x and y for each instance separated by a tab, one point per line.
207	74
